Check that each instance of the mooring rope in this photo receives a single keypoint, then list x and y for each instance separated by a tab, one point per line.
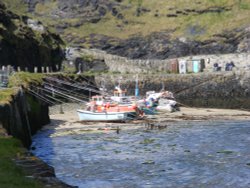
73	85
66	91
62	94
35	94
67	96
92	84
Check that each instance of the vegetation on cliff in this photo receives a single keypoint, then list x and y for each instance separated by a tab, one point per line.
16	80
25	78
26	43
128	17
6	95
20	117
146	28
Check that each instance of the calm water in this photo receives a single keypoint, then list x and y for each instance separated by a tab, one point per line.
195	154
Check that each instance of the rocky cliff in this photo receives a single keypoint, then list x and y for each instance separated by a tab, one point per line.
26	43
148	29
161	45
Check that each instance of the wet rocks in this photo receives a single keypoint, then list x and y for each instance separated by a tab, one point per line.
155	126
34	167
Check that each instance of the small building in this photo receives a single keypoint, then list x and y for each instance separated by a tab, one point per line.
189	66
174	66
182	67
198	65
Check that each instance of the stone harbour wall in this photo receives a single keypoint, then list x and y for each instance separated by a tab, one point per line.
23	116
229	89
124	65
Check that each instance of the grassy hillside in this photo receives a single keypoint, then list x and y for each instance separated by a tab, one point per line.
156	19
196	19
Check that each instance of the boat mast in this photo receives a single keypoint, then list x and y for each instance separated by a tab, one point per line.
136	87
103	87
162	86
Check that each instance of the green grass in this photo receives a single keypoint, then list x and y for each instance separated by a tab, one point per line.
6	95
42	8
2	26
16	6
147	23
25	78
10	175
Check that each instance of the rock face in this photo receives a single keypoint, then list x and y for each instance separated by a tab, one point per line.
88	10
94	65
39	170
25	43
23	116
160	44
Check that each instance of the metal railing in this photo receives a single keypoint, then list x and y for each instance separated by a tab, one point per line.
4	77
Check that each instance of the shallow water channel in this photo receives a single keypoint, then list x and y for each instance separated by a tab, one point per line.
185	154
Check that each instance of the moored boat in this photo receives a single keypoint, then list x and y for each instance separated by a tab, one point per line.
103	109
85	115
167	105
163	101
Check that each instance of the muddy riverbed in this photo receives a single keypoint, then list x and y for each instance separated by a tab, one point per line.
185	149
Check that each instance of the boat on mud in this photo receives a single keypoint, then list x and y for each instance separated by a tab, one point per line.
120	107
101	108
163	101
122	116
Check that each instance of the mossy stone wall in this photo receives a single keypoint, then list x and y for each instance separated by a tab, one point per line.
23	116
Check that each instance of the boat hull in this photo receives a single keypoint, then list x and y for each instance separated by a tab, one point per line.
108	116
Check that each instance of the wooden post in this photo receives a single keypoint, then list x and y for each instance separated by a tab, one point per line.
61	109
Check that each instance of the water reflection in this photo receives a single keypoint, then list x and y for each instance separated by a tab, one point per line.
211	154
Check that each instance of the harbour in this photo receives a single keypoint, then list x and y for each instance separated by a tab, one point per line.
204	150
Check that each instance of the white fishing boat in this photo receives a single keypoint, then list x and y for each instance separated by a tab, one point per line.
106	116
167	105
162	101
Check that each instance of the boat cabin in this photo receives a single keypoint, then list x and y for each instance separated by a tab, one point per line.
98	99
120	93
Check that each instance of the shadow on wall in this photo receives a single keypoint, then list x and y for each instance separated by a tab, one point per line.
23	116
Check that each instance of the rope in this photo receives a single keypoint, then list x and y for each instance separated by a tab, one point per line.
48	90
50	96
67	96
73	85
92	84
64	95
66	91
35	94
